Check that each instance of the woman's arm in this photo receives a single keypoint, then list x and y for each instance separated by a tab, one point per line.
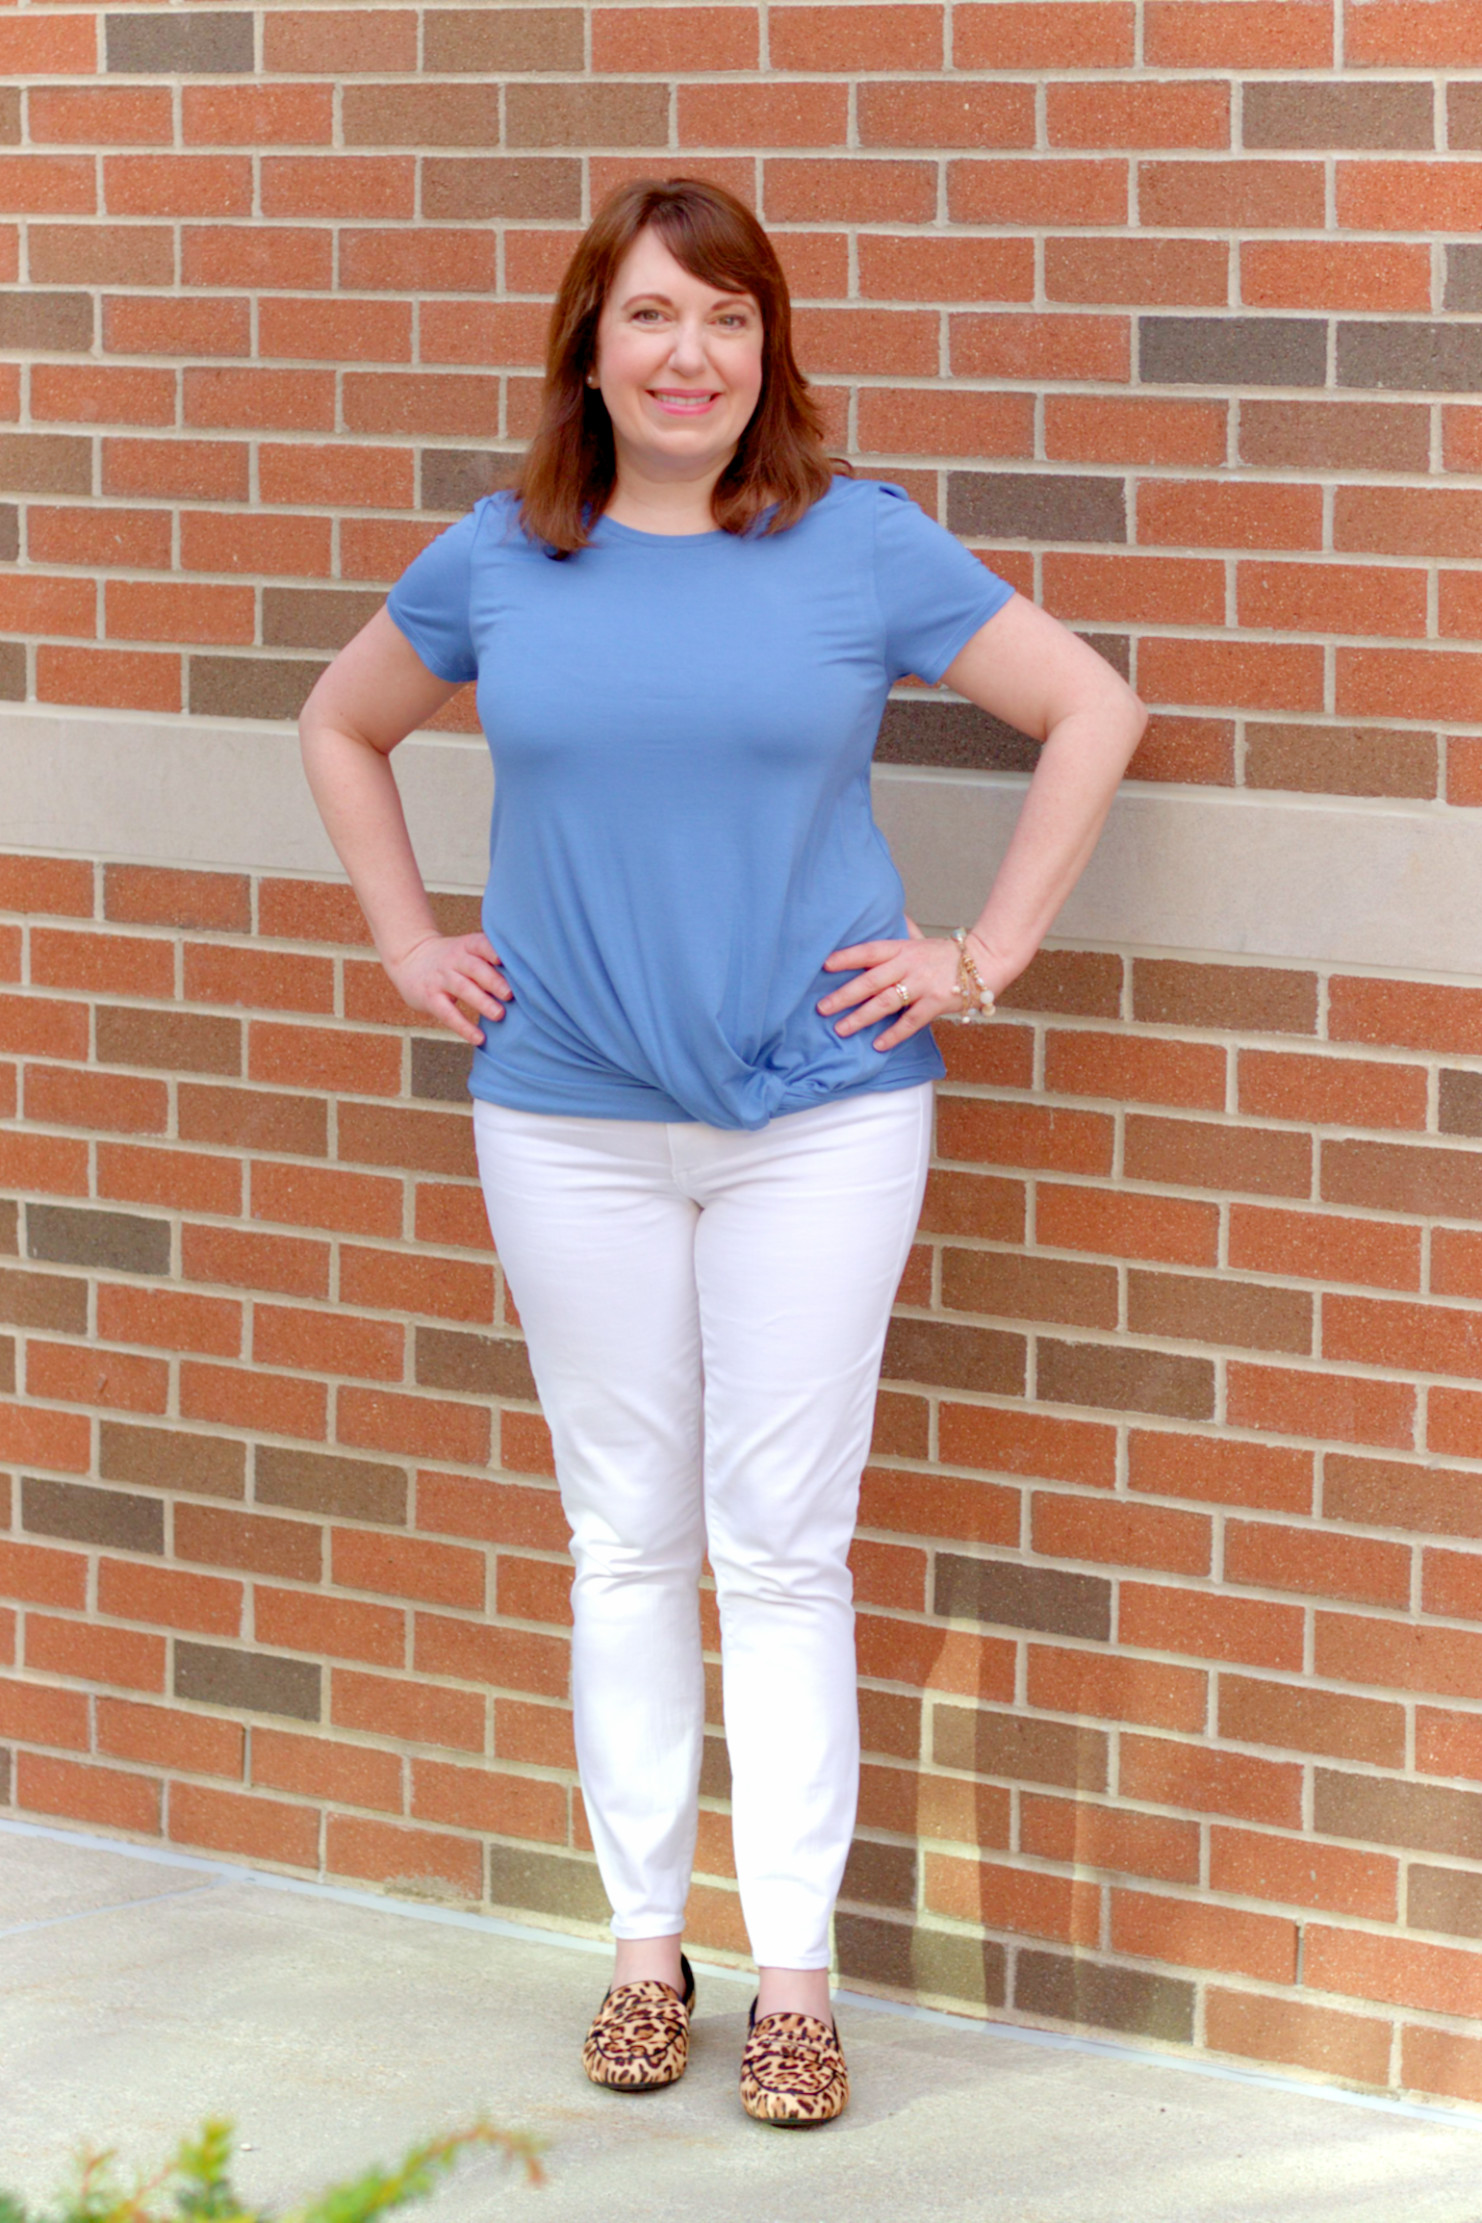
376	692
1034	673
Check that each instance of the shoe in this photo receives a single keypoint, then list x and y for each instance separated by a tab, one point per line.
640	2035
792	2071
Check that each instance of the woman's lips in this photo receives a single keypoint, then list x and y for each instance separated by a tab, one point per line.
681	404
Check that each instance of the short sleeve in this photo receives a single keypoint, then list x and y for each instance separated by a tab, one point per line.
933	595
430	602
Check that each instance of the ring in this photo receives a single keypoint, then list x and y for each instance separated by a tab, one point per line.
902	991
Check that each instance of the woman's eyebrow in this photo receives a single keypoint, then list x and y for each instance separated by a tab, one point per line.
667	301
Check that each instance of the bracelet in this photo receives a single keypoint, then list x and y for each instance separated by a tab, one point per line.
977	997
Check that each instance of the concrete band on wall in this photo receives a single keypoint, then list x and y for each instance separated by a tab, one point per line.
1391	886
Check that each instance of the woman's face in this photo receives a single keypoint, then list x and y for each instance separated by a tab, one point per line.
679	364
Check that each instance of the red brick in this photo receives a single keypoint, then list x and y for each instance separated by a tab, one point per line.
328	1342
1245	514
872	190
1297	1871
1331	598
1011	344
927	1657
1411	195
1016	1899
1221	1470
339	1628
107	963
1336	274
1030	35
1318	1562
48	184
509	1659
215	972
1294	1717
495	1512
504	1805
79	1792
1251	675
1405	683
999	1440
39	1026
245	1397
80	1374
883	342
1456	1261
1368	1965
403	1567
327	1768
945	113
914	421
1448	1743
1101	428
57	885
1194	1934
122	1103
236	1822
1117	1688
188	1180
1355	2047
1116	1533
318	1197
250	115
1138	1068
383	1420
1442	2061
1454	1422
206	1605
1119	1223
411	1711
127	1658
935	1505
44	1164
1073	1830
170	1319
1158	1771
41	1713
1347	1408
1206	1624
324	1058
1451	1584
1375	1331
1239	34
769	115
1140	273
168	1737
1415	1015
400	1857
1206	1154
255	1542
854	38
32	1436
993	1134
35	1574
247	1260
1395	1655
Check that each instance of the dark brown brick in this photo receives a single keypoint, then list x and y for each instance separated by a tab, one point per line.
1103	1997
1232	351
179	45
1461	1103
250	1682
880	1875
1341	760
1390	1493
315	617
1121	1379
1016	1745
1079	983
456	478
212	1537
172	1459
45	463
586	115
1208	1154
1248	999
546	1883
1463	113
146	895
1396	1177
500	40
957	734
1036	505
439	1071
5	1775
7	1364
319	1482
46	323
254	1119
475	1365
1463	277
168	1041
9	1227
950	1357
10	116
1448	1899
1011	1286
420	115
474	189
1335	435
72	1235
1292	1717
1410	357
12	666
90	1516
1011	1595
1195	1308
1302	112
249	686
938	1964
1381	1810
43	1301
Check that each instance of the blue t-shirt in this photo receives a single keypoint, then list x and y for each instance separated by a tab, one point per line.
682	730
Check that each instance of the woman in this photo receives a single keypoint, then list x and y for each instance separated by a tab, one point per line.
702	1070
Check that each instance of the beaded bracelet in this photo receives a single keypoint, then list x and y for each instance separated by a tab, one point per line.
977	997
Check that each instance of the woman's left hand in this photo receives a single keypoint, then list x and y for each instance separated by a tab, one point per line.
912	982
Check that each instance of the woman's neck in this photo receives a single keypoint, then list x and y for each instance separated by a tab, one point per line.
659	504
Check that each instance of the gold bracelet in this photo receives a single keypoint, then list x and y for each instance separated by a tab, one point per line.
977	997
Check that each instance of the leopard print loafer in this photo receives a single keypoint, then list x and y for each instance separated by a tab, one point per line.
792	2071
640	2035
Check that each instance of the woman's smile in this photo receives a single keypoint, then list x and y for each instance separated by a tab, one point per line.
676	402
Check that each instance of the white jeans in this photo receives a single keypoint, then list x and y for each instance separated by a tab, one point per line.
705	1312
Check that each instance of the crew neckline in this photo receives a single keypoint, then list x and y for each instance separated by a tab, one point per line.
636	532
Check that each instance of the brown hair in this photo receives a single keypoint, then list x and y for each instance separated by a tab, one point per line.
570	468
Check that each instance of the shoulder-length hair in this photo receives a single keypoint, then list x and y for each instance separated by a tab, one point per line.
570	467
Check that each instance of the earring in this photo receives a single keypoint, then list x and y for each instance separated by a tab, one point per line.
591	378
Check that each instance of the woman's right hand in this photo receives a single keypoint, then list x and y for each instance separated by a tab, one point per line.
446	970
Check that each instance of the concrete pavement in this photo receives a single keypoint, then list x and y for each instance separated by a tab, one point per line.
140	1992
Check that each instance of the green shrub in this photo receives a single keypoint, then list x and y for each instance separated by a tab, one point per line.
195	2187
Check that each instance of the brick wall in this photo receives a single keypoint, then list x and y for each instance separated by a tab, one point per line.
1169	1567
1171	1588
